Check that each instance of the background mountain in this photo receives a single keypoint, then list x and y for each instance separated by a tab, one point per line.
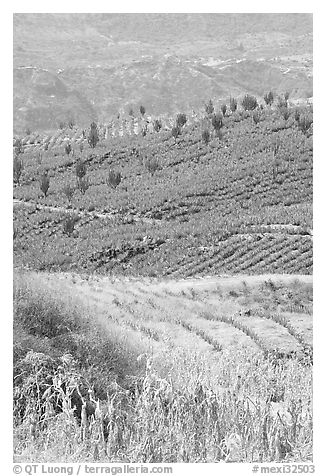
94	66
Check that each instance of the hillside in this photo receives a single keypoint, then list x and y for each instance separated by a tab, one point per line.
240	203
91	66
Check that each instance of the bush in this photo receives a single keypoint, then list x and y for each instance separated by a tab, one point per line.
152	165
269	98
249	103
69	224
256	116
282	102
142	110
68	148
18	146
206	136
217	121
93	137
157	126
83	184
175	132
223	109
233	104
18	168
44	183
305	122
69	191
80	169
209	107
113	179
285	112
181	120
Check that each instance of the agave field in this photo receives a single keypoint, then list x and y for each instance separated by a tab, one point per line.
240	202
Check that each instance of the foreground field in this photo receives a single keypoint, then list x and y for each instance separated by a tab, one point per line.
147	370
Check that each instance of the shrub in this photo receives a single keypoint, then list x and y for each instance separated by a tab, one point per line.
83	184
285	112
157	126
142	110
69	191
305	122
80	169
209	107
297	114
175	132
217	121
69	224
68	148
18	146
256	116
93	137
45	183
113	179
269	98
144	130
233	104
223	109
206	136
249	103
181	120
18	168
152	165
282	102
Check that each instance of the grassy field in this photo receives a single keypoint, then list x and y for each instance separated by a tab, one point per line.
148	370
240	203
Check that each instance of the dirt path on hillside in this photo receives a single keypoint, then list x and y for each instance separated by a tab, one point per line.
152	285
81	213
